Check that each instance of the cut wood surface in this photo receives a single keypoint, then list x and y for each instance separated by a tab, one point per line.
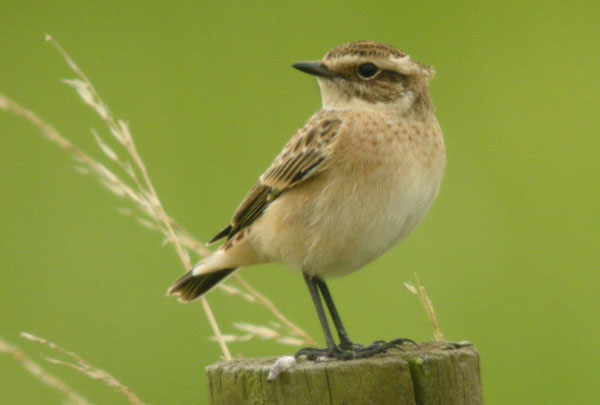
434	373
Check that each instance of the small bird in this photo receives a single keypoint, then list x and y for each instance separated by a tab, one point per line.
349	185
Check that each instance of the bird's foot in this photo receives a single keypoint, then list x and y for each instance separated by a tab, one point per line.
334	352
380	346
348	350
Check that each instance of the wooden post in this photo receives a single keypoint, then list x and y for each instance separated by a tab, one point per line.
435	373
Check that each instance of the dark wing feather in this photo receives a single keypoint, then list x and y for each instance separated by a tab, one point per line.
303	156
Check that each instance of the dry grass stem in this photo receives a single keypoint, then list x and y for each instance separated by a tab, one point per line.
262	332
150	201
142	199
120	130
420	292
73	397
85	368
134	185
229	290
306	339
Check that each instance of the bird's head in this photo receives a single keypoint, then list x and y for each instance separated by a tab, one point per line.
370	74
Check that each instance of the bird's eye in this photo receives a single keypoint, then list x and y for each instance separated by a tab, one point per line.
367	70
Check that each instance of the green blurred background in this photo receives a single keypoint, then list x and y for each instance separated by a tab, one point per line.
509	253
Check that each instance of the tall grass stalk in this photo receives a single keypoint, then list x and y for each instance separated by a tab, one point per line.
133	184
39	373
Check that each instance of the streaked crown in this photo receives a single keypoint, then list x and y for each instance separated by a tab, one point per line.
367	49
370	72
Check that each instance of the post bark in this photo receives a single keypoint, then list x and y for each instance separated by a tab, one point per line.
434	373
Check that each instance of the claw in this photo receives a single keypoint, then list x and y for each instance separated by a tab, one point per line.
349	350
313	354
349	345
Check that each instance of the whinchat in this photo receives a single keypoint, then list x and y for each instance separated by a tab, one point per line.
349	185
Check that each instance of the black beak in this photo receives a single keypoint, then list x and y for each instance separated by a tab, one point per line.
314	68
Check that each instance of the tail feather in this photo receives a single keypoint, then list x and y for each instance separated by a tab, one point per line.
191	287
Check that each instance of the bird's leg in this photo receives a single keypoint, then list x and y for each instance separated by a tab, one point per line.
347	349
332	349
345	342
353	350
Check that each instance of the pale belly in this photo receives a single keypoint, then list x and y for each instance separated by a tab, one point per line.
336	224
